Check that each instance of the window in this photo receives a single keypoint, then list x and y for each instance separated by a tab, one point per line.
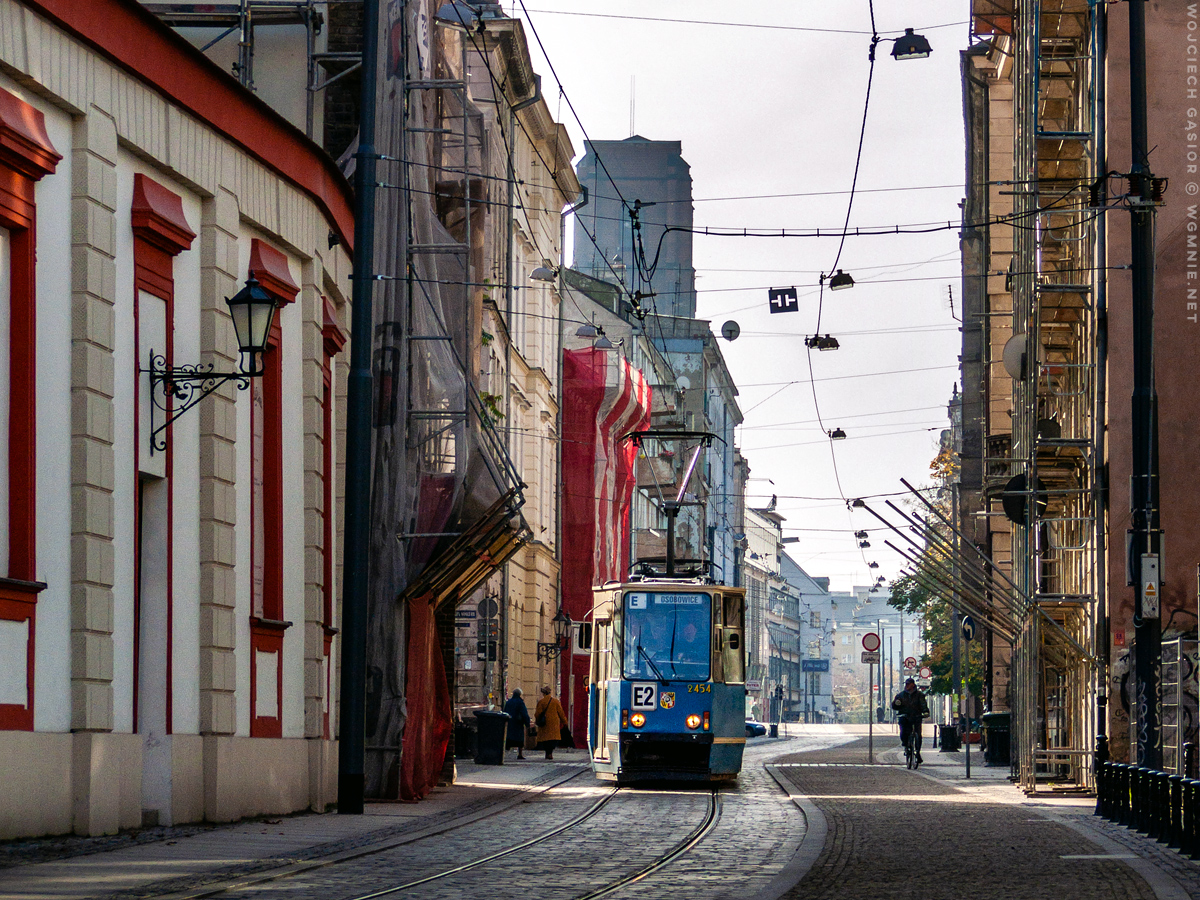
667	635
270	267
26	156
814	619
334	339
160	233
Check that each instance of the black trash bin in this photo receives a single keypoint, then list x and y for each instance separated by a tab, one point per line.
491	726
464	739
996	728
948	738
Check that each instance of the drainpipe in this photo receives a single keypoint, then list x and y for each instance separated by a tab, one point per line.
352	704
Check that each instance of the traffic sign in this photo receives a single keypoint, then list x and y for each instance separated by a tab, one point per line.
814	665
968	628
1150	594
870	656
870	641
926	672
910	662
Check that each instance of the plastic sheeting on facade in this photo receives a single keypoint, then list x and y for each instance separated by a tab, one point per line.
604	398
437	466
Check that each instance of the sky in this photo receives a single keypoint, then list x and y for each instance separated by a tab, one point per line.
770	119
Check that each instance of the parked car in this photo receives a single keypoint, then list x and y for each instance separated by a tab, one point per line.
755	729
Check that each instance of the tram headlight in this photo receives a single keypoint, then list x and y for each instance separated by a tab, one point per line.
638	720
693	721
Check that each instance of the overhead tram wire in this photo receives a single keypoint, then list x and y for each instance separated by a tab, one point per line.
554	173
562	91
801	28
552	170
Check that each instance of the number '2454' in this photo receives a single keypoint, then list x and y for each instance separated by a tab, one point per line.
699	688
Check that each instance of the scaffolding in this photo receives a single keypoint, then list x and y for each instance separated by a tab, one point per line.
245	17
1044	472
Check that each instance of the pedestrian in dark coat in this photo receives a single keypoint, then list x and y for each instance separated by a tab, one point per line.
518	722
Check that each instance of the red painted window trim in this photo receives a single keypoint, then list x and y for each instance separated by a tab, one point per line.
266	636
270	267
160	233
26	156
333	339
18	603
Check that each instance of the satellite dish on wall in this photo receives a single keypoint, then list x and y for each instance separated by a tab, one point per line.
730	330
684	382
1014	357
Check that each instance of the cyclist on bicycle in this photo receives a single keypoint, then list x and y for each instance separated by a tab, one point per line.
910	704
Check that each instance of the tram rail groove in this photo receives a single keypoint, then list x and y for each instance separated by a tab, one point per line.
293	869
711	818
665	859
545	836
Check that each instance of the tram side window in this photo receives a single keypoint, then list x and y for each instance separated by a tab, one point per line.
583	637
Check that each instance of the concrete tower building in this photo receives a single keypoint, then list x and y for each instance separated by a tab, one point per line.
654	173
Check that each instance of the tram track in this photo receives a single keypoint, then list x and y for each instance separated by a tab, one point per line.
303	867
711	818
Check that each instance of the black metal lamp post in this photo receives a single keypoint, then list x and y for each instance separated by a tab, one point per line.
253	312
562	628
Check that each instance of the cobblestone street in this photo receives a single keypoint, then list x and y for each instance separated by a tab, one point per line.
808	818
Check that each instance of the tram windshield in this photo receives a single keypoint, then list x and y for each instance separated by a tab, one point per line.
667	636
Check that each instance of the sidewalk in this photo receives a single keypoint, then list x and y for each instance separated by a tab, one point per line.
883	832
182	861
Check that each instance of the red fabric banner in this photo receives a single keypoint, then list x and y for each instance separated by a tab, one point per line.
427	731
604	398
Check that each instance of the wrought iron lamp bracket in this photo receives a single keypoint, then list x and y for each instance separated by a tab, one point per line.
550	652
186	386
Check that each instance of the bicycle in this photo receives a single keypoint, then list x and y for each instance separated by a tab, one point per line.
909	735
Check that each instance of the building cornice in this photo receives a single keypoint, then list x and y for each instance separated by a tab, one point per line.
134	40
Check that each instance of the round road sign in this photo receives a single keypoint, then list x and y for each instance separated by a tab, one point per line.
926	672
968	628
870	641
910	662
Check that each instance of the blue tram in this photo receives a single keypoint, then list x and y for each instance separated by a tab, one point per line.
668	693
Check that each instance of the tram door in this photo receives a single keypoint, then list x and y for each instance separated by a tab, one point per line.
601	671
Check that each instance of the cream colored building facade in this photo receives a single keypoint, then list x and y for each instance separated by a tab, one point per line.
171	612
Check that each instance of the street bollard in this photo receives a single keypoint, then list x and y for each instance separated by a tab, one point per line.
1120	776
1191	837
1160	805
1135	797
1175	791
1101	795
1189	760
1128	788
1141	800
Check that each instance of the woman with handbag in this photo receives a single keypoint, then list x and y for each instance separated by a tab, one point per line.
550	720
